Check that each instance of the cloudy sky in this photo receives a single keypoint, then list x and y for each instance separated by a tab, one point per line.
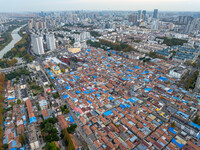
51	5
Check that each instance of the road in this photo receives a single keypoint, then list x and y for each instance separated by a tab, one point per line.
7	70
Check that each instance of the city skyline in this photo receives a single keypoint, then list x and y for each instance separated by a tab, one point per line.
62	5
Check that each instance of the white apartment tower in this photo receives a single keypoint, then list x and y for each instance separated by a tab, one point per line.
51	42
37	44
84	36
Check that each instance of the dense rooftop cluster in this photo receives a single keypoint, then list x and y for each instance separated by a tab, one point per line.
125	104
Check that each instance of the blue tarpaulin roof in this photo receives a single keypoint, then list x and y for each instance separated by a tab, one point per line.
182	114
170	90
75	99
162	78
67	87
147	80
25	122
178	144
158	69
137	67
176	98
109	112
111	98
71	119
78	92
65	96
14	143
127	105
148	89
89	102
33	119
195	125
131	100
171	129
130	70
11	98
122	106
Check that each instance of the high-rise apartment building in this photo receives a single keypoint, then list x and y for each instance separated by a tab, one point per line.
132	18
84	36
30	24
51	42
37	44
185	19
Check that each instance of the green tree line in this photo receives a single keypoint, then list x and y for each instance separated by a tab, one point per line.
19	50
114	46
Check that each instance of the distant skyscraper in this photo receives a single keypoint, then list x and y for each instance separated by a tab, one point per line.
37	44
132	18
36	25
193	26
144	15
139	14
155	13
184	19
154	25
51	42
30	24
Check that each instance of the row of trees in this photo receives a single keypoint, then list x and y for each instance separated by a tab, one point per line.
4	63
114	46
2	83
17	73
191	82
173	41
19	50
67	139
20	32
154	55
7	38
48	131
95	34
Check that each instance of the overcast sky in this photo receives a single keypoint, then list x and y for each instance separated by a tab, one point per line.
51	5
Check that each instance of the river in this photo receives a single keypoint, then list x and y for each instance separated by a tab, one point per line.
15	38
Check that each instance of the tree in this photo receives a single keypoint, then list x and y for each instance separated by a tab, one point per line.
72	128
66	111
51	146
18	101
22	139
67	139
173	124
5	146
49	133
63	70
196	120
